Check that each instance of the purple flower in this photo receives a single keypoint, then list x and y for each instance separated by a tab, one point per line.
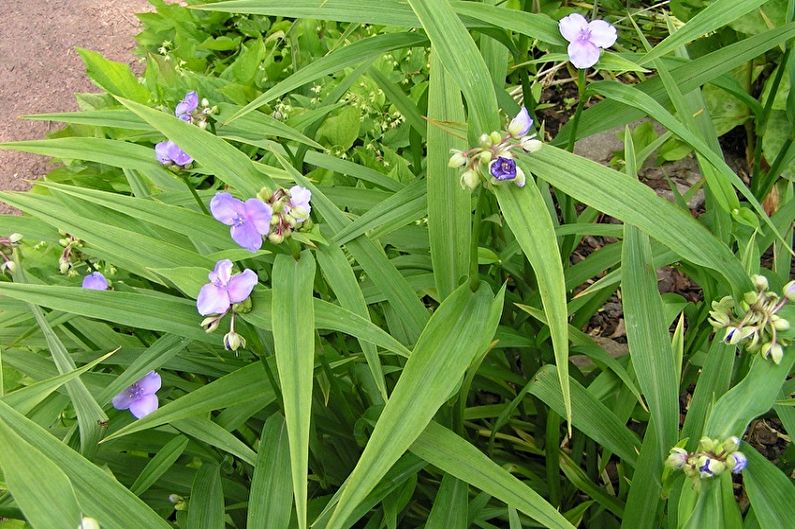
224	289
705	469
298	207
185	108
140	397
520	125
250	220
169	152
503	169
737	462
586	39
95	281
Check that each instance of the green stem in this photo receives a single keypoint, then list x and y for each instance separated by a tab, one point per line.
769	180
762	123
195	194
474	277
578	112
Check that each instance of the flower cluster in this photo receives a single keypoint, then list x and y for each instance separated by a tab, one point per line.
758	327
274	215
711	459
7	245
71	256
169	153
140	397
586	39
494	157
224	292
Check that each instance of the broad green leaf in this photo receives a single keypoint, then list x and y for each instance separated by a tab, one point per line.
529	220
627	199
450	505
460	328
115	77
99	494
769	490
294	346
159	464
211	434
41	489
206	506
450	453
449	206
270	502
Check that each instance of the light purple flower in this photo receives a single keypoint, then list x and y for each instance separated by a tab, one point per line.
185	108
250	220
520	125
586	38
299	203
503	169
224	289
95	281
737	462
169	152
140	397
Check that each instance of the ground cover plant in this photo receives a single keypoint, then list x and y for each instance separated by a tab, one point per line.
334	263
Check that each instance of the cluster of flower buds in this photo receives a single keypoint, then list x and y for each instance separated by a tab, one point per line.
71	255
712	458
758	326
191	110
271	214
7	245
493	158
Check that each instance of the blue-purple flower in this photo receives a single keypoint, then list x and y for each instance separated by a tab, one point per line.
520	125
140	397
737	462
249	220
298	207
187	106
503	168
586	39
168	152
225	289
95	281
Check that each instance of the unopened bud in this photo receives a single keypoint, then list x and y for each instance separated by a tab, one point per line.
774	351
10	266
243	307
470	180
485	141
495	137
15	238
779	323
520	179
88	523
731	444
211	324
789	291
63	266
750	297
677	459
458	159
485	157
205	102
760	282
705	444
719	319
265	194
233	341
737	462
275	237
531	145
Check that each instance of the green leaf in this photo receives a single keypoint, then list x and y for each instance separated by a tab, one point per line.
450	506
460	328
769	490
206	506
450	453
294	346
115	77
165	457
449	206
41	489
270	501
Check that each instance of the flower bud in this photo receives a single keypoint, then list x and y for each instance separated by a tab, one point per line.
705	444
88	523
677	459
789	291
750	297
779	323
531	145
760	282
275	237
265	194
10	266
709	467
485	157
203	125
719	319
233	341
63	266
205	102
243	307
495	137
520	179
211	324
470	180
485	141
776	353
737	462
458	159
179	502
15	238
731	444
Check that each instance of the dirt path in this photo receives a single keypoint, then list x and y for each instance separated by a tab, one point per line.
40	70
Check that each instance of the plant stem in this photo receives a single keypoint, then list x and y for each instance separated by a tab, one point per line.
578	112
195	194
474	277
762	124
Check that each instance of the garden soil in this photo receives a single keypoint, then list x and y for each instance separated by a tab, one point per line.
40	70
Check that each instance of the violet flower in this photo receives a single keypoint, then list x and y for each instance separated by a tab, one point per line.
224	289
95	281
169	152
737	461
185	108
586	39
520	125
140	397
503	169
298	207
249	220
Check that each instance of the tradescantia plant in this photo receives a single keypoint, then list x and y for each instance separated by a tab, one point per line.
350	287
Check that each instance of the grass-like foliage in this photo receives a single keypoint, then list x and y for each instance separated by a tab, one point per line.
335	264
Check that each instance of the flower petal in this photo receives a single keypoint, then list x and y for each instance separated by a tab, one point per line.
226	208
95	281
144	406
572	25
221	273
259	213
241	285
300	196
150	383
583	54
187	106
520	125
212	300
177	155
161	152
603	34
247	236
122	401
